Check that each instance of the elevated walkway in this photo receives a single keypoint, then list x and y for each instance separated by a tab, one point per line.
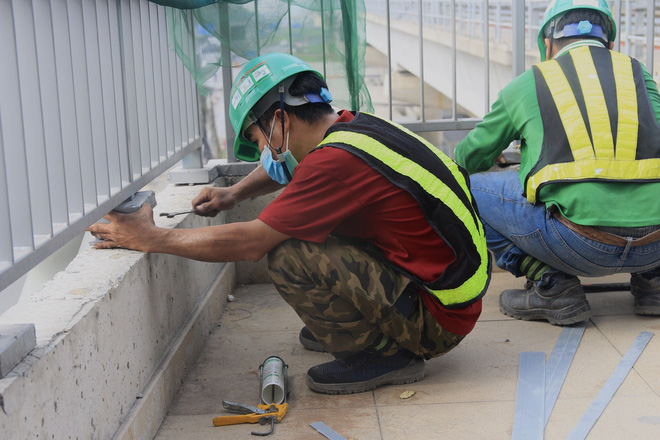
470	393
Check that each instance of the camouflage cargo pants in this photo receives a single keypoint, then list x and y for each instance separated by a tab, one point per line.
348	299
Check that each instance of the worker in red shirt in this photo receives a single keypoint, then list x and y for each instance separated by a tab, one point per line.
375	241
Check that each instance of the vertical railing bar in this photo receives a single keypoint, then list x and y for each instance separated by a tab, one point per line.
158	62
227	80
454	106
36	163
185	132
190	89
171	58
48	205
68	111
180	71
55	140
59	125
84	87
517	38
184	81
147	150
530	39
115	90
650	32
256	26
422	104
617	20
110	132
325	74
183	105
101	105
47	208
21	112
21	231
94	146
131	95
154	144
486	35
288	9
152	12
136	148
176	109
389	56
124	76
196	102
166	82
162	45
163	42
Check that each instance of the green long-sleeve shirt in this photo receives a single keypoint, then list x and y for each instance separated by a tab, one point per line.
515	115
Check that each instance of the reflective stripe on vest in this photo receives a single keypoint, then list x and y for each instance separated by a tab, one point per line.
475	286
596	155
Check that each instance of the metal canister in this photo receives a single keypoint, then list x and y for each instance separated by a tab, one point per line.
273	375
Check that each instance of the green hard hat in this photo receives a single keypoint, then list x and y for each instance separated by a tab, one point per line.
258	77
557	8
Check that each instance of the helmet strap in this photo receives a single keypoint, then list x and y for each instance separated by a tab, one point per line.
279	150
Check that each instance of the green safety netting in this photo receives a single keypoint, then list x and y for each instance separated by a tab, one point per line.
327	34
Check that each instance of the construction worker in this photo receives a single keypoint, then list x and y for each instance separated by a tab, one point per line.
375	240
585	201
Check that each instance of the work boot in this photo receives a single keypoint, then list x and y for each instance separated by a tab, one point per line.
309	341
646	291
365	371
557	298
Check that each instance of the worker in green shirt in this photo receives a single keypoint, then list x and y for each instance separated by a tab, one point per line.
586	199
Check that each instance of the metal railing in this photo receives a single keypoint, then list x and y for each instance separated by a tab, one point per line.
93	106
505	24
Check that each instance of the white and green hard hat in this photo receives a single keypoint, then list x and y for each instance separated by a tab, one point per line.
256	89
557	8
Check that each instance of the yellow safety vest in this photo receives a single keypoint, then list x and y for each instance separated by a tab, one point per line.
597	119
439	186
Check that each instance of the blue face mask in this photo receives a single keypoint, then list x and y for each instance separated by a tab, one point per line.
275	169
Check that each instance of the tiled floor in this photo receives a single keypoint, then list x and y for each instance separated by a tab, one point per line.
470	393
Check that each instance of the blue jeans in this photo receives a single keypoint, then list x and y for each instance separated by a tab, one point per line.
516	228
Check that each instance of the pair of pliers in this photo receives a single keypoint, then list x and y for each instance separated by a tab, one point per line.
262	414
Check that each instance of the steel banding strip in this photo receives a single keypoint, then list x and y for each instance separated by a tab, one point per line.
606	393
528	422
326	431
559	362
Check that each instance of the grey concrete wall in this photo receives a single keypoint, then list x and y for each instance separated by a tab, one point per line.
117	332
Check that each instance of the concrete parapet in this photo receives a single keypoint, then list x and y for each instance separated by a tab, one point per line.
116	334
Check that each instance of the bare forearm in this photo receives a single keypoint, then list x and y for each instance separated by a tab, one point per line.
244	241
222	243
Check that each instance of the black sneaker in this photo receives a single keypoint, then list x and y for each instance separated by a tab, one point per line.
308	340
646	291
365	371
557	298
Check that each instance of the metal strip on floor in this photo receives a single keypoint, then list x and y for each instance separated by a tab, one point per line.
326	431
597	407
559	362
528	419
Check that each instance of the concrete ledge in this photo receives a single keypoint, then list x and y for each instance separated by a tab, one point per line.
116	334
108	328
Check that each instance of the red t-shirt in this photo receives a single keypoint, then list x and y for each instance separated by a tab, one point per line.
334	191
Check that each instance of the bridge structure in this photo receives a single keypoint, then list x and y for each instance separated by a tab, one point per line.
442	43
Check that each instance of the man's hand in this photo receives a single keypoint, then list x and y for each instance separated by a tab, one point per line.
212	200
131	231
